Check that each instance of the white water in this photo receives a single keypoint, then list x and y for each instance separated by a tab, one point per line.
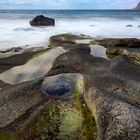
15	33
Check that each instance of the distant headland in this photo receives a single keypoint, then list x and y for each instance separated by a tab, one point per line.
137	7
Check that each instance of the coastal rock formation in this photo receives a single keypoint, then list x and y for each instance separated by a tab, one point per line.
111	91
126	47
83	95
137	7
65	118
42	21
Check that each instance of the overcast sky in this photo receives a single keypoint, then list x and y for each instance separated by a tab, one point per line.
68	4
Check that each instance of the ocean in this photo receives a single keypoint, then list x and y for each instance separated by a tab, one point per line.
15	30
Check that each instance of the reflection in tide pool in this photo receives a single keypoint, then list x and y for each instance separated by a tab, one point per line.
98	51
35	68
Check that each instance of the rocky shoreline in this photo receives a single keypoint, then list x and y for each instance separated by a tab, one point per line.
81	88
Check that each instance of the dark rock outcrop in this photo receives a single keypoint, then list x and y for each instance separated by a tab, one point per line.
42	21
18	49
137	7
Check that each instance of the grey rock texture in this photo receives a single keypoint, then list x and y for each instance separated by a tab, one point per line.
111	93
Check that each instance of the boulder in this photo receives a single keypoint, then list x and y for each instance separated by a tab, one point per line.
42	21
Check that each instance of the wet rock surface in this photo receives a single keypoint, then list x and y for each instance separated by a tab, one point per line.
42	21
94	88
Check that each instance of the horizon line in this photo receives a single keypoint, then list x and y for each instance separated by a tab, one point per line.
69	9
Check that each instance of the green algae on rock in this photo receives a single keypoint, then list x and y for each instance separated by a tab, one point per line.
120	42
8	137
60	40
58	120
128	47
65	118
111	93
129	53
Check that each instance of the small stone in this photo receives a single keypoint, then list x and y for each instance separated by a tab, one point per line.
129	25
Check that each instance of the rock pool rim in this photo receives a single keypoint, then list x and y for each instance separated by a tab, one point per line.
59	88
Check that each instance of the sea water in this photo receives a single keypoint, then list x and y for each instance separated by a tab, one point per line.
15	30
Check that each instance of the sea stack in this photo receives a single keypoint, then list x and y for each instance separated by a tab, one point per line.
137	7
42	21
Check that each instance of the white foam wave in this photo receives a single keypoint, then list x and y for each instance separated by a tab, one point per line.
15	33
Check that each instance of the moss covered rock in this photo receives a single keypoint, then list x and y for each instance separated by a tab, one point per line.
64	39
132	54
64	118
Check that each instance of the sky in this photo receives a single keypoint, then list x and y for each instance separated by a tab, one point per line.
68	4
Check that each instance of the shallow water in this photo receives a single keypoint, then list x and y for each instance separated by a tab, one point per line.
83	41
62	84
98	51
36	67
